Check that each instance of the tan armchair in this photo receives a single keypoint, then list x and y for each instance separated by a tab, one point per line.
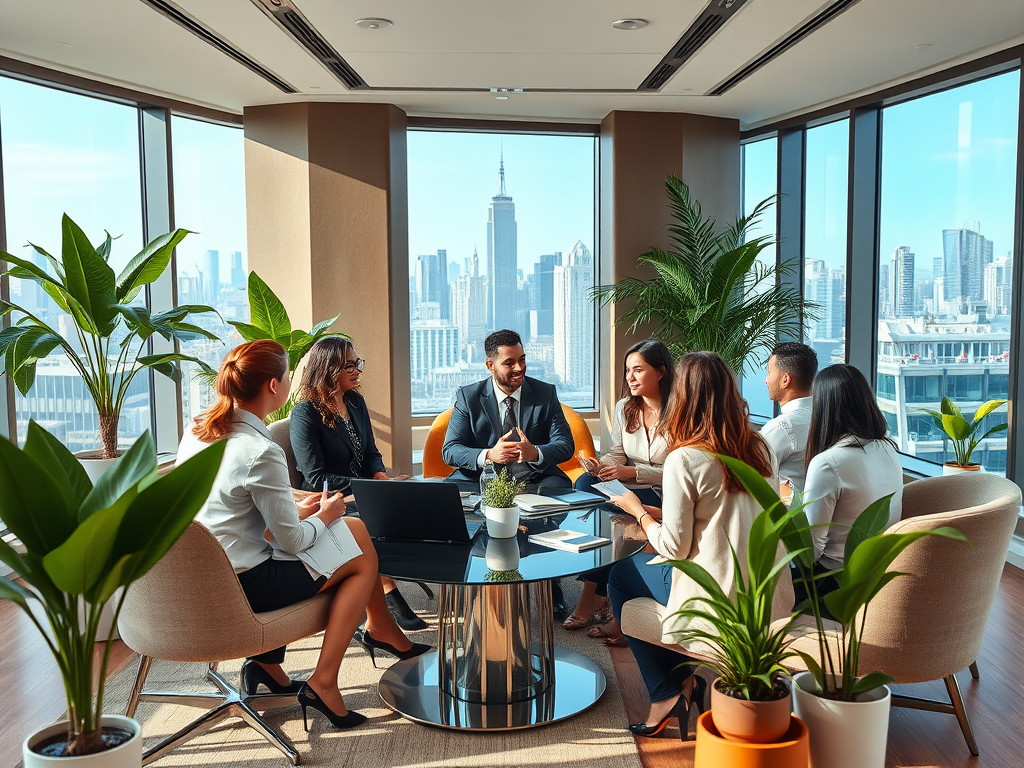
280	434
929	625
190	608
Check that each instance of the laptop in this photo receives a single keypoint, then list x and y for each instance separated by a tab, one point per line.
407	510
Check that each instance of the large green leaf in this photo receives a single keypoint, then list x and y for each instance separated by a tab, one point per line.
321	328
89	279
249	332
132	468
167	363
30	505
162	512
986	409
24	351
871	522
138	320
147	265
81	561
16	593
66	472
956	426
266	310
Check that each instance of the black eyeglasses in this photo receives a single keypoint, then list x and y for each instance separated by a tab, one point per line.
358	365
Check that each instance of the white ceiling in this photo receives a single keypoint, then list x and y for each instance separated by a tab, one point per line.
568	44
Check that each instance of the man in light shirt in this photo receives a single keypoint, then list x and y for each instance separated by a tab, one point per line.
791	370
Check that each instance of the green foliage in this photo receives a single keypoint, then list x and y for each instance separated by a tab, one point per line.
710	292
111	334
268	319
501	492
735	631
83	542
503	577
868	554
961	432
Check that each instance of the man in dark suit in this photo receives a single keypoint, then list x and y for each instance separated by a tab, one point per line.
512	421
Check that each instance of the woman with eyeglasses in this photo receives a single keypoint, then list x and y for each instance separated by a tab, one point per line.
332	437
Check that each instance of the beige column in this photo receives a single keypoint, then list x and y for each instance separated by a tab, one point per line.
639	150
327	220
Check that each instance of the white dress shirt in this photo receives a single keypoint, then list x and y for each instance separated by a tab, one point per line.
500	396
841	483
787	435
638	449
251	493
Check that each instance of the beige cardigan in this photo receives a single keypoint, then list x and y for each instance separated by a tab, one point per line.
636	449
700	518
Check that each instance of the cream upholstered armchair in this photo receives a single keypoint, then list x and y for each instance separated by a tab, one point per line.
929	625
280	434
169	614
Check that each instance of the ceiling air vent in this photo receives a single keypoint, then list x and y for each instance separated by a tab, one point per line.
700	31
207	35
811	25
291	20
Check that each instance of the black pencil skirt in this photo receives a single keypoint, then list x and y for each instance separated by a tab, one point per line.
275	584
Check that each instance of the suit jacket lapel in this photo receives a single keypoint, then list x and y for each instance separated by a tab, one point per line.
526	406
490	407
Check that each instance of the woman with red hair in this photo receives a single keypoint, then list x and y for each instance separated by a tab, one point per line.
704	511
251	505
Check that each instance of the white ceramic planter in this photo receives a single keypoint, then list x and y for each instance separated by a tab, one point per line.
502	522
127	755
94	463
502	554
843	734
952	468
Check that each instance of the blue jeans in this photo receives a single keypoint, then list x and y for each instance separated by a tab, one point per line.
660	668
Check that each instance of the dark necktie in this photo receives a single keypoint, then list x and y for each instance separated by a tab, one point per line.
518	469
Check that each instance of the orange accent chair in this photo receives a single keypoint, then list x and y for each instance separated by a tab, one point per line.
434	466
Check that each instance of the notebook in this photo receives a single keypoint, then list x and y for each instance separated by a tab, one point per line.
570	541
535	504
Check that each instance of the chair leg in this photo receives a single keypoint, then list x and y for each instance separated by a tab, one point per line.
256	723
426	590
192	730
953	688
140	681
974	670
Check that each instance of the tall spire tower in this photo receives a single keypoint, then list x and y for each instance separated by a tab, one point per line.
501	174
501	256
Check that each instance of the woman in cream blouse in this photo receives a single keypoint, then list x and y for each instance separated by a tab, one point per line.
705	511
635	458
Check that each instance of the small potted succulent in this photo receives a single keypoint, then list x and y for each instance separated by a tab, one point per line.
499	505
962	433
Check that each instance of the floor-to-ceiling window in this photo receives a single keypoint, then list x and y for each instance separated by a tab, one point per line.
760	181
948	175
67	153
209	199
501	235
826	174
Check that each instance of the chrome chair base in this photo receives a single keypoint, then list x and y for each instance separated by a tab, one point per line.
225	703
954	707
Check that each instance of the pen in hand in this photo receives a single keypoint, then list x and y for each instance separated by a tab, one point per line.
323	495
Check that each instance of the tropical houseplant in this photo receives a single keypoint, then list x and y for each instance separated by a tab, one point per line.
963	433
110	343
498	501
83	543
710	291
847	705
734	637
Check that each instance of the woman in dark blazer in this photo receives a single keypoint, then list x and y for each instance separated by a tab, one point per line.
332	437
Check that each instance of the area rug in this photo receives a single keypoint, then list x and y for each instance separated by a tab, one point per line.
597	738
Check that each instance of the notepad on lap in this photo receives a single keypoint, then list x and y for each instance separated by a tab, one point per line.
570	541
331	550
610	488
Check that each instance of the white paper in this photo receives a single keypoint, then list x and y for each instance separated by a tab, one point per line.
532	502
610	488
331	550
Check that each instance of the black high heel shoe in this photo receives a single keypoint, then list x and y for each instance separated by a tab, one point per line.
405	617
373	645
310	698
252	674
681	710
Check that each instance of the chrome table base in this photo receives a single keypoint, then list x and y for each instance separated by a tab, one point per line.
496	667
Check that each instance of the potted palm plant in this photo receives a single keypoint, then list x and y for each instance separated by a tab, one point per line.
846	709
710	292
734	637
268	319
963	433
83	544
110	344
499	505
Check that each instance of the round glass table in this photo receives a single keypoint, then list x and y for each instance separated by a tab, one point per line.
496	665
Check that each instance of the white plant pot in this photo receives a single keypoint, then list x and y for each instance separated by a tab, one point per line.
952	468
502	522
843	734
127	755
502	554
94	464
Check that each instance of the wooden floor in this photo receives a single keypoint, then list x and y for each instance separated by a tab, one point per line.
31	694
995	703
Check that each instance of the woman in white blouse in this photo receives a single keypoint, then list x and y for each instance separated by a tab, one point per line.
704	513
850	463
251	507
636	458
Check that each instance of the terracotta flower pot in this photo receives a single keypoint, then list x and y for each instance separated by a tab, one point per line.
755	722
714	751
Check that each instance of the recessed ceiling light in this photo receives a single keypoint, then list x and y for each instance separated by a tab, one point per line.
501	98
922	46
629	24
373	23
62	44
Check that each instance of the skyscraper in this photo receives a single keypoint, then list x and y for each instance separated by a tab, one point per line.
469	310
901	282
432	281
543	298
884	292
210	271
965	254
238	279
573	316
501	257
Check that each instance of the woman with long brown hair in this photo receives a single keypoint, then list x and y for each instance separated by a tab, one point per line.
252	513
704	511
332	438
